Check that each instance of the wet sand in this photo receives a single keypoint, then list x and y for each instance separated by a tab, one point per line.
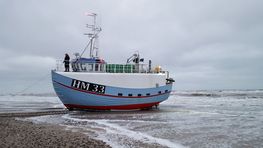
19	133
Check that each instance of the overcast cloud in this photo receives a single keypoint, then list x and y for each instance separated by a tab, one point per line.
204	44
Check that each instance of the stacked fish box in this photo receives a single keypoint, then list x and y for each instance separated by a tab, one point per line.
120	68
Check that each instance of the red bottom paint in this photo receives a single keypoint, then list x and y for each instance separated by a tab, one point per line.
119	107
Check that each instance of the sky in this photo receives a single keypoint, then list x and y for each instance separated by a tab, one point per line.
204	44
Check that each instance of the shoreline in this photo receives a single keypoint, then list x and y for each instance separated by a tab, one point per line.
18	133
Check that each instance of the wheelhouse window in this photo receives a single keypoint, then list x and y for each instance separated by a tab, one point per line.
159	92
166	91
148	94
139	95
130	95
119	94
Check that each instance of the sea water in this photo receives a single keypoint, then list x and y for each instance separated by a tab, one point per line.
12	103
187	119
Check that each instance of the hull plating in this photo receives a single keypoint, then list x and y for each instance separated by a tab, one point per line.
130	98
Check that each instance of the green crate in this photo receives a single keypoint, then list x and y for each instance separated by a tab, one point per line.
120	68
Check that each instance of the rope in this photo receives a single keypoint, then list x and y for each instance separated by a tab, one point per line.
33	84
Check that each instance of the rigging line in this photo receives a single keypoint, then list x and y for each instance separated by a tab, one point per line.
33	84
85	48
89	43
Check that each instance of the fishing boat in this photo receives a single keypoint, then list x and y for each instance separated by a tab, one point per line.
93	83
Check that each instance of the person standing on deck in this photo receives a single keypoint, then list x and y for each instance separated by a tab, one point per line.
66	62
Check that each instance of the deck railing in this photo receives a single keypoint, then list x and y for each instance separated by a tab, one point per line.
104	68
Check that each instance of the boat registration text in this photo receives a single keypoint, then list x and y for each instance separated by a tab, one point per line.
88	86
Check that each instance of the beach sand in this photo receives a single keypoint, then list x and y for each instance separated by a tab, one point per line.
19	133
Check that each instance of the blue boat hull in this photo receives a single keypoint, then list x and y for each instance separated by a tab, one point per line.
110	99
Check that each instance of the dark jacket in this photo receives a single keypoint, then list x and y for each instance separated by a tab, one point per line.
66	59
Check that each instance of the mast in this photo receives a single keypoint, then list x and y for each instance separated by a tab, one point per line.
93	36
